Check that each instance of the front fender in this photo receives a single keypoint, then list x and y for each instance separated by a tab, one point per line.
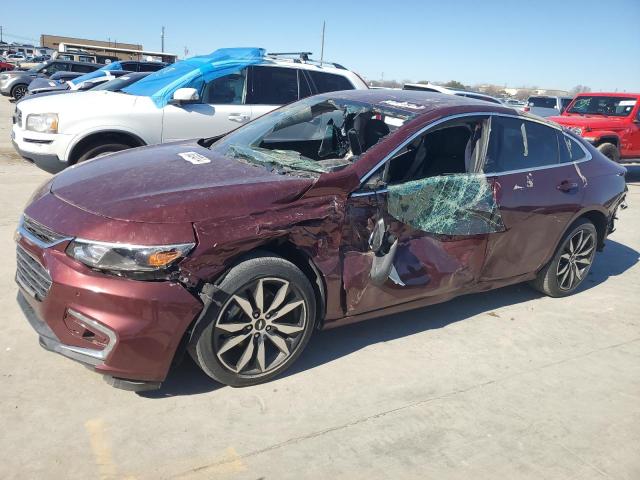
103	129
595	136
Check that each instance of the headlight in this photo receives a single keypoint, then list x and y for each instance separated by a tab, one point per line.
127	258
43	123
576	130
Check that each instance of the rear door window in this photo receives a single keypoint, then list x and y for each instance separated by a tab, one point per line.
517	144
543	102
83	68
272	86
55	67
329	82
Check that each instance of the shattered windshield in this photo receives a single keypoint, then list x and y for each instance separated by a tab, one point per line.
312	136
599	105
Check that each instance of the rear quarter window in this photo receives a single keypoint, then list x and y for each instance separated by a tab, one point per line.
329	82
570	151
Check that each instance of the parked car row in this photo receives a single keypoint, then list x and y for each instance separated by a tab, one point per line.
346	203
117	121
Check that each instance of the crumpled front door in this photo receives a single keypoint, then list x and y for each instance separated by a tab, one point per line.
418	239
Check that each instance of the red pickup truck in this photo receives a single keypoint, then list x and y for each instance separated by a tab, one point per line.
610	121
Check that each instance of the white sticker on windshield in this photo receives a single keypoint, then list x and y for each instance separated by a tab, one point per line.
195	158
627	103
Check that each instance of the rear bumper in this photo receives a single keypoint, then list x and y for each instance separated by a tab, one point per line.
141	322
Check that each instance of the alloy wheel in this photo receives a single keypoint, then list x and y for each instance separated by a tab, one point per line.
260	327
575	260
19	92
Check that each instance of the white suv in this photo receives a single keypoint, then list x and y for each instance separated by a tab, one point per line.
60	130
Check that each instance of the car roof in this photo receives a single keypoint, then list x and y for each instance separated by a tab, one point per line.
417	102
72	62
292	63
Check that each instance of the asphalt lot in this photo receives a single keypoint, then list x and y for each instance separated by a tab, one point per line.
504	384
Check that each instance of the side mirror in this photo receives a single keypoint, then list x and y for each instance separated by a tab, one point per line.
185	95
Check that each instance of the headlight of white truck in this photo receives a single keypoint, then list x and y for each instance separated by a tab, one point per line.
43	122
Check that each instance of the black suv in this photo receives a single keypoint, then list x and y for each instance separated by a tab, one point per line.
16	82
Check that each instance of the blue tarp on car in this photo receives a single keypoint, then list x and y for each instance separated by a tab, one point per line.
97	73
194	72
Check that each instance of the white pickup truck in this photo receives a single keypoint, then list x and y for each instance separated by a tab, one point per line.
60	130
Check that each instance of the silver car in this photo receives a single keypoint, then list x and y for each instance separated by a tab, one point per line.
544	106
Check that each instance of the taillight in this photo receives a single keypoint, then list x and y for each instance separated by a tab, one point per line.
526	109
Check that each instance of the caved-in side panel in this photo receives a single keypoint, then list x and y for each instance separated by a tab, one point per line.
313	225
423	264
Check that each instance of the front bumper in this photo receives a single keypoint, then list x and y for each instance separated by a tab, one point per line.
45	150
144	322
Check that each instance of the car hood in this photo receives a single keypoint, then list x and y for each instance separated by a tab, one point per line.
593	122
76	105
157	185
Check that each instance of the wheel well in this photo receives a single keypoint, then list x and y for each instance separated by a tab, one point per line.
613	140
18	85
103	137
599	220
301	260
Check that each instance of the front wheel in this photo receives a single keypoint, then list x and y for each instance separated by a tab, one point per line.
100	150
19	91
610	151
264	322
571	262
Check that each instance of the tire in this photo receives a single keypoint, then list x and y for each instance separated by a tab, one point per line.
238	344
610	151
566	271
18	91
98	150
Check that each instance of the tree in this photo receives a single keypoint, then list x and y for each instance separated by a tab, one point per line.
455	85
579	89
494	91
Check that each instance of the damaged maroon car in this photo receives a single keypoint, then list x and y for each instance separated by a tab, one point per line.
331	210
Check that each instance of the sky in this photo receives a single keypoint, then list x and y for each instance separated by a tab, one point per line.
534	43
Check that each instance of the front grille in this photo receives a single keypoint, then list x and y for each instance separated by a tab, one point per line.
31	275
41	232
17	117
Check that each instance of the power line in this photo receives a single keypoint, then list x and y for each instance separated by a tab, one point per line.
20	37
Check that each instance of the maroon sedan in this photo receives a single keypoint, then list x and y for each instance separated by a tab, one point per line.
331	210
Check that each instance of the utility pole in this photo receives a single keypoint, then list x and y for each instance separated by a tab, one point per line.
322	44
162	40
186	51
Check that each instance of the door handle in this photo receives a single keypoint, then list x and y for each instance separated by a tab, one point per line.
567	186
239	117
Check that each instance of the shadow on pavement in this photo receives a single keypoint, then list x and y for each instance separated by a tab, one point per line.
327	346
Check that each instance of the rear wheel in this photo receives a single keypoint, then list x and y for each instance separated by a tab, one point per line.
264	322
571	262
100	150
610	151
19	91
